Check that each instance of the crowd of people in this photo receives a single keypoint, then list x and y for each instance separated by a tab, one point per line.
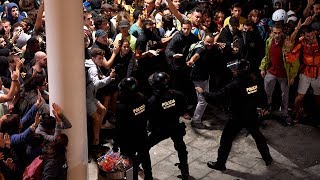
152	63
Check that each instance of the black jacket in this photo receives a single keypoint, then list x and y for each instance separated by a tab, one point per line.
131	124
236	39
164	111
179	44
243	95
54	169
253	49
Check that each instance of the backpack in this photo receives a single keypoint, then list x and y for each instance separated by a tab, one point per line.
34	170
263	28
192	49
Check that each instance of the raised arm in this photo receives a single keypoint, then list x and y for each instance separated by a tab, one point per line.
293	36
108	63
307	10
175	11
38	23
13	88
62	121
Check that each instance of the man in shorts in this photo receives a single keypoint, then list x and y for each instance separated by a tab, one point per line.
308	49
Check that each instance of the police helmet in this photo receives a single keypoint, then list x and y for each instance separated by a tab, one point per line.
239	65
159	81
128	85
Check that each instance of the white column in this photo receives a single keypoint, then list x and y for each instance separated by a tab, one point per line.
65	52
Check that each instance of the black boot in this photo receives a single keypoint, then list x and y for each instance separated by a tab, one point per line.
216	166
268	162
184	168
183	176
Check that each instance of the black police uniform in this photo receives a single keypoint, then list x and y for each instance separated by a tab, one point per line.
164	110
243	94
131	128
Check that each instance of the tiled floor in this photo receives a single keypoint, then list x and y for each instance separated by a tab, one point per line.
244	161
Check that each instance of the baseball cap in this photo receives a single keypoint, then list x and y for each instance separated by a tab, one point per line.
100	33
123	23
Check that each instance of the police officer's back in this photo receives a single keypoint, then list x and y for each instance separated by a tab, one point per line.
131	115
243	94
131	126
165	107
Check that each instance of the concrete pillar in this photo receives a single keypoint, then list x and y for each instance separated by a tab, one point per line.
65	52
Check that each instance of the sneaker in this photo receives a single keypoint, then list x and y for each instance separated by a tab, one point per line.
288	120
216	166
201	126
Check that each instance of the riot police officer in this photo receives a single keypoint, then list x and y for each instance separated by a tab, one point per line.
165	108
131	126
243	94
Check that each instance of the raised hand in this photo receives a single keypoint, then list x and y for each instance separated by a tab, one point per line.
116	49
299	24
14	75
57	110
9	163
19	64
39	99
112	73
16	33
311	2
308	21
37	119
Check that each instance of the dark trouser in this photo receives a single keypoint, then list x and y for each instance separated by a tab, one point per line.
142	156
180	80
179	145
230	131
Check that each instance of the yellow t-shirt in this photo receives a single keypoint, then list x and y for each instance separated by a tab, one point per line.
242	20
131	39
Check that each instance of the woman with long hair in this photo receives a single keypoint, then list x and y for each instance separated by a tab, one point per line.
254	16
55	160
124	64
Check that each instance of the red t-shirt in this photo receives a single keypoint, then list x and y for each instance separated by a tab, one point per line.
276	60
